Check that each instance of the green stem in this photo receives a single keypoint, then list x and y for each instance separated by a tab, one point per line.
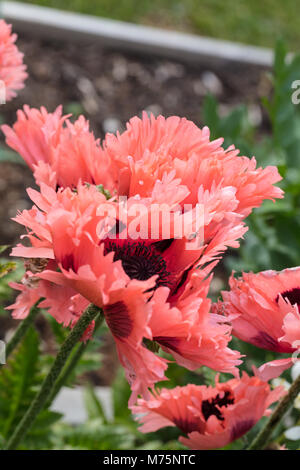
72	363
46	389
263	438
21	331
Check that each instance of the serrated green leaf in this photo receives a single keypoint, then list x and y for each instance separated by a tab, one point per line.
19	380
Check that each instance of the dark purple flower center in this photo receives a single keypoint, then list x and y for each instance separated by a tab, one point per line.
140	260
293	296
212	406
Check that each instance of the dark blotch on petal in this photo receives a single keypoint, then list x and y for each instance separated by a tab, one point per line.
118	320
68	262
169	342
187	425
265	341
241	428
182	280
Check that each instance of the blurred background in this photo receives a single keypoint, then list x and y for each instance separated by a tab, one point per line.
250	22
249	105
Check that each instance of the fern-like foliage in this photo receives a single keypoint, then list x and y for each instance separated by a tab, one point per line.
20	379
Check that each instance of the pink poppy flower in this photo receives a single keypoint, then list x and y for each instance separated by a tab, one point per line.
138	282
65	233
264	308
60	153
35	134
132	163
12	70
153	159
151	147
62	302
210	417
185	328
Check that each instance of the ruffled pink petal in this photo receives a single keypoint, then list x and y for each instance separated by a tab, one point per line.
265	306
25	301
210	417
12	70
273	369
197	441
291	327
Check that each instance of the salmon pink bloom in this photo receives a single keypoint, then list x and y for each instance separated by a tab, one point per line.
148	288
185	328
65	233
264	308
209	417
63	303
151	147
132	163
60	153
12	70
35	134
150	155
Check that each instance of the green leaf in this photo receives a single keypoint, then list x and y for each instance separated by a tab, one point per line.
93	405
10	156
11	275
6	268
209	376
279	58
94	435
19	380
121	393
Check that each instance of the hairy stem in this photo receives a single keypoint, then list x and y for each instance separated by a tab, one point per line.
21	331
72	363
46	389
263	438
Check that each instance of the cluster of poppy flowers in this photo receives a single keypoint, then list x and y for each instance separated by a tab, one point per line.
155	289
12	70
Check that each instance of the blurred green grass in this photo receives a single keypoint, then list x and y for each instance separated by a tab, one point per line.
258	22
